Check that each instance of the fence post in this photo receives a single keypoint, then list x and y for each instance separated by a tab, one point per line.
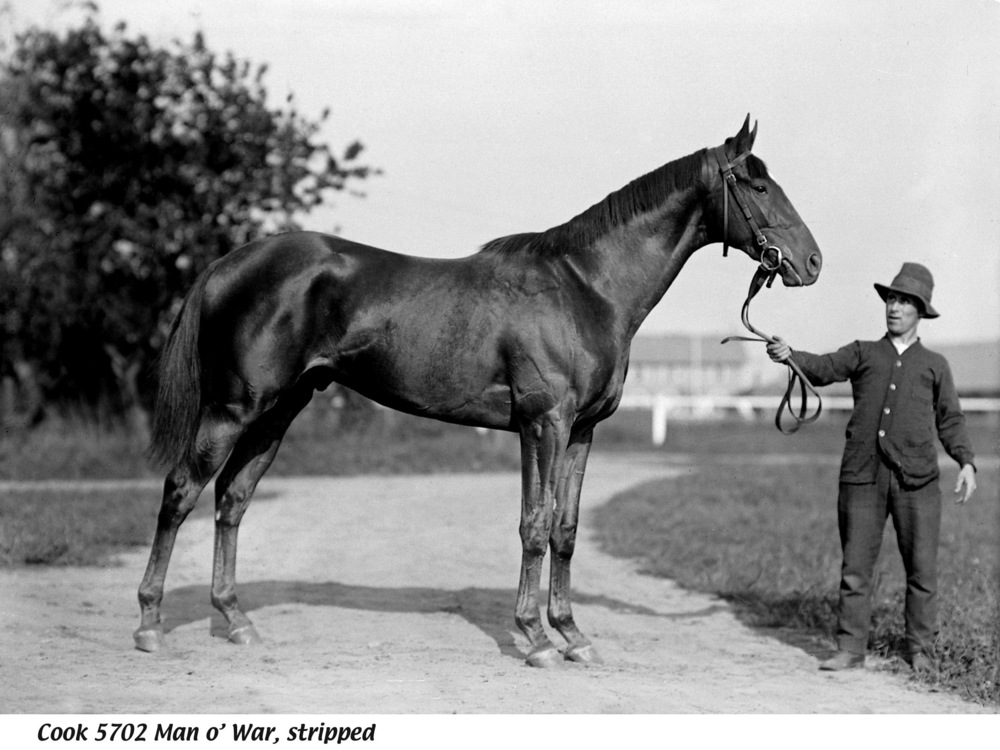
660	408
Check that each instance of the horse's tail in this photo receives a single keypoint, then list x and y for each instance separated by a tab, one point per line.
178	396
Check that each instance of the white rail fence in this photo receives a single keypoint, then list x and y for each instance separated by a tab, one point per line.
748	407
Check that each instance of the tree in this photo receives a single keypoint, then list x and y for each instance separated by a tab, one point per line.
125	169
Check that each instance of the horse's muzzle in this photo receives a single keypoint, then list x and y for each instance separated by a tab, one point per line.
791	276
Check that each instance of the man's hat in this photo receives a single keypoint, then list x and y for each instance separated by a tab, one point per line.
916	281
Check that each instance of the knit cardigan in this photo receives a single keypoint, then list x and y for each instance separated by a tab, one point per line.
900	402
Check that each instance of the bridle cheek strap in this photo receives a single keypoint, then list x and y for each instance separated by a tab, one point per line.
729	180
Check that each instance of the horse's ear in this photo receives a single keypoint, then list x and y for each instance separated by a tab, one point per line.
745	138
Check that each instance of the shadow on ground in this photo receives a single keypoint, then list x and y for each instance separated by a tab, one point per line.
491	610
809	622
806	623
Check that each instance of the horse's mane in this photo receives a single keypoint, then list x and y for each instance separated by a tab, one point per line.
640	196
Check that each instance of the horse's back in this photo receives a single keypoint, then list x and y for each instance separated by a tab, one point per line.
380	322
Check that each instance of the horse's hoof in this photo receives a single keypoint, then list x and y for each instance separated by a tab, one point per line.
150	640
585	654
245	636
546	657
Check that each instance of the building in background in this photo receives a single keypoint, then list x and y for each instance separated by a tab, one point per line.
975	366
688	365
687	376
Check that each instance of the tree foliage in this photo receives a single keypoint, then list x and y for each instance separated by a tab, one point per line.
125	169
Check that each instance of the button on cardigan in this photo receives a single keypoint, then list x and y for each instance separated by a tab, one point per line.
900	402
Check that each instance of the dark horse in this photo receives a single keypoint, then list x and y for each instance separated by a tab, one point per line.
531	335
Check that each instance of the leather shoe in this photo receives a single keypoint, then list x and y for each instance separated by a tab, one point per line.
922	663
843	660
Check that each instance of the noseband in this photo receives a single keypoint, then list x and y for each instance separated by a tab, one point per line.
766	272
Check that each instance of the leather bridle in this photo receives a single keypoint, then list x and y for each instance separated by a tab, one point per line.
729	180
765	273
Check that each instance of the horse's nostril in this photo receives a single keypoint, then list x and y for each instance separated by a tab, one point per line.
814	262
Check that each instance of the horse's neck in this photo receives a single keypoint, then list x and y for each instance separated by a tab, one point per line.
635	263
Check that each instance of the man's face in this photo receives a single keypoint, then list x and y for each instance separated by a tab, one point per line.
902	313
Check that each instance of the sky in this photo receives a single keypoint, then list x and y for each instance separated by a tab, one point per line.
881	120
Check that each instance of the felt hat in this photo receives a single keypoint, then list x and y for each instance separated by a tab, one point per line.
916	281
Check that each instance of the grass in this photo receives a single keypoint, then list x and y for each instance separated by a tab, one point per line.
766	540
59	528
70	448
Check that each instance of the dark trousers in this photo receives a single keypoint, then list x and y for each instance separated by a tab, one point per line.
916	516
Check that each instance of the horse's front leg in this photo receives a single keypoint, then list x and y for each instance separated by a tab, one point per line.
563	541
543	444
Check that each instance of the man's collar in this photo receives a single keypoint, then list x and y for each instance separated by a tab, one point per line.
915	341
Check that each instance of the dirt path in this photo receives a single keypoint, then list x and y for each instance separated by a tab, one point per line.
395	595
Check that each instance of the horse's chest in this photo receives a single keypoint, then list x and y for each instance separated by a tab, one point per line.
610	395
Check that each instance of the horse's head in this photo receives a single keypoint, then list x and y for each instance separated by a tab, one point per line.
749	210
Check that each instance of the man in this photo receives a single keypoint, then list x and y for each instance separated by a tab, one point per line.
903	394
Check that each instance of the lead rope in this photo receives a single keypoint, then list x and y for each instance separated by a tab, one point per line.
795	375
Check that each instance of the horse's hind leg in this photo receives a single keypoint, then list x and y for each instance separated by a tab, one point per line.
181	490
234	488
563	541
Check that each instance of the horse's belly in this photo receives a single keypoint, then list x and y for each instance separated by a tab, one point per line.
428	387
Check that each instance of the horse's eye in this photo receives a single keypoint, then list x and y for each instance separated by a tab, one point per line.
760	188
